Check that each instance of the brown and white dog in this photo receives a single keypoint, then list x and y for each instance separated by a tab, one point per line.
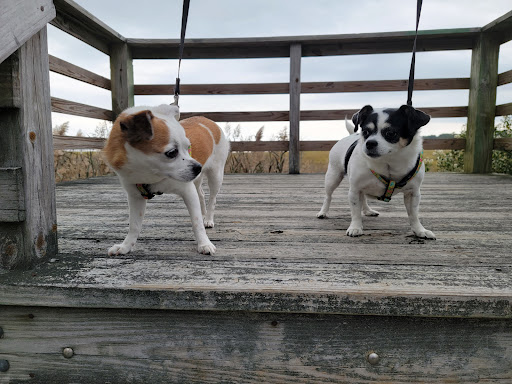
153	154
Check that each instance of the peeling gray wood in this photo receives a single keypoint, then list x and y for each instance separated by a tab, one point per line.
27	144
12	196
121	75
20	20
203	347
275	255
482	105
294	152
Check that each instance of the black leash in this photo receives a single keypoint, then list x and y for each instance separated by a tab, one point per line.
413	61
184	17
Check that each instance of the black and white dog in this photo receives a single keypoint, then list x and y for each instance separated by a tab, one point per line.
385	157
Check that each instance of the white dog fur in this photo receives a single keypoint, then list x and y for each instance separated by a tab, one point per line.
148	146
389	145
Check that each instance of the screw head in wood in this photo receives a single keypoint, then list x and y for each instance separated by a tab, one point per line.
4	365
68	352
373	358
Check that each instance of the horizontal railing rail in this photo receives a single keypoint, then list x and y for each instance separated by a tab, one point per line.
78	142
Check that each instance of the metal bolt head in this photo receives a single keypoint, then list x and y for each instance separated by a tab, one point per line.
373	358
4	365
68	352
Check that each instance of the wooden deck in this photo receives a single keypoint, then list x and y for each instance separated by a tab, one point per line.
286	298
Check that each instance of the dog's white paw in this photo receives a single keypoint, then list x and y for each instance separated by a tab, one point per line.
321	215
425	234
119	249
354	231
370	212
208	223
206	249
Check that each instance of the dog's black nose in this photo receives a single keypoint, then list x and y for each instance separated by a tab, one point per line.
196	169
371	144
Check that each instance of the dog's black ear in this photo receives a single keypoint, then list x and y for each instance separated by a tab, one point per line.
415	118
138	127
359	117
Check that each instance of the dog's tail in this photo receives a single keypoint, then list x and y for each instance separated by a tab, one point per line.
350	127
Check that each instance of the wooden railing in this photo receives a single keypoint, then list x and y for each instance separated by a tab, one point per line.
481	109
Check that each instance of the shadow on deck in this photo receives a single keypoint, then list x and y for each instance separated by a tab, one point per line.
286	298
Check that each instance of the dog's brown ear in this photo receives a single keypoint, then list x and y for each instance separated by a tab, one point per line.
359	117
138	127
415	118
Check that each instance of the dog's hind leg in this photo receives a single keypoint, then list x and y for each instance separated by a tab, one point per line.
215	178
367	211
333	179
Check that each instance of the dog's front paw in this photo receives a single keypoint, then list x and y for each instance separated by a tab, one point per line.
354	231
208	223
425	234
119	249
321	215
206	249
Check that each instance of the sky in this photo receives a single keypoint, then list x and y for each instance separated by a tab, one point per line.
262	18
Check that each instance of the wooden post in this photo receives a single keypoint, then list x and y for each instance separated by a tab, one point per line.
121	75
482	105
28	220
294	154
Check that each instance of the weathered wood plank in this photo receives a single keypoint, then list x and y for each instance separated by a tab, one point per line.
205	347
504	144
75	72
294	116
72	108
482	105
76	21
311	87
26	131
504	109
501	28
74	142
348	44
12	196
121	74
20	20
274	254
337	114
505	78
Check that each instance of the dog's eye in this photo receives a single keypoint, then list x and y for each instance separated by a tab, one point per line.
390	135
172	153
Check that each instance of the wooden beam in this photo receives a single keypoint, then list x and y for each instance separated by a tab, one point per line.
505	78
78	109
265	146
294	145
76	142
27	135
20	20
121	75
482	105
347	44
12	195
75	72
76	21
504	109
311	87
503	144
501	28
